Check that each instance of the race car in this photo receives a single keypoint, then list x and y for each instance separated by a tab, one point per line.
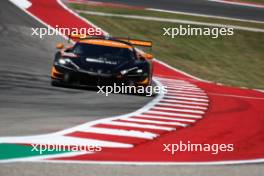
95	61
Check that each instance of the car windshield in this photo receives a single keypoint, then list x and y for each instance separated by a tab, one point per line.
101	51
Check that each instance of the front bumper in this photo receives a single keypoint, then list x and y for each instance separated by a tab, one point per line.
69	76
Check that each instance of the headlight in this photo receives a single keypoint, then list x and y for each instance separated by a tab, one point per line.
64	61
123	72
68	63
139	71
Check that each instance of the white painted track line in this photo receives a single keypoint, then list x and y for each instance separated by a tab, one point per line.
178	110
182	105
181	84
175	81
248	4
184	102
178	83
186	98
167	118
187	92
186	95
130	133
23	4
169	79
184	89
156	122
175	114
203	15
161	79
139	125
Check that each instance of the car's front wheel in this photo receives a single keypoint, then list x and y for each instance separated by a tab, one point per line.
55	83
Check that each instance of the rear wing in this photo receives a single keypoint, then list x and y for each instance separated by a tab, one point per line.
76	37
135	42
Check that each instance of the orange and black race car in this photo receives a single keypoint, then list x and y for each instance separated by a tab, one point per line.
94	61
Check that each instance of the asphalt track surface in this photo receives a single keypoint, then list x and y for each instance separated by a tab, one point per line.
29	104
198	6
28	108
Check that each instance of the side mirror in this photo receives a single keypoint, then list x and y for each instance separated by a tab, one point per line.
59	46
148	56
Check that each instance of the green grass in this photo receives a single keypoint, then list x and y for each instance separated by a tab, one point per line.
234	60
257	1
